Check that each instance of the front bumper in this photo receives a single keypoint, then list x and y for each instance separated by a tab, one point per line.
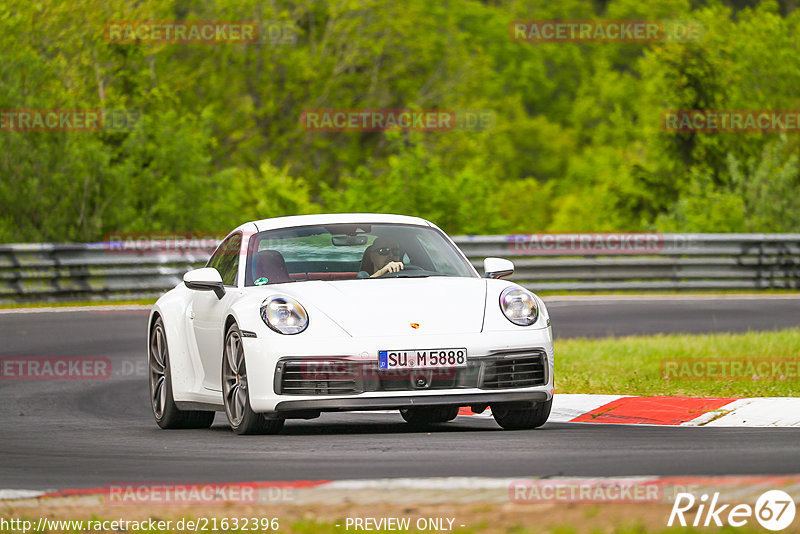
522	398
265	353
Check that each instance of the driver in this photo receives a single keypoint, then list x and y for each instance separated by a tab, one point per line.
381	257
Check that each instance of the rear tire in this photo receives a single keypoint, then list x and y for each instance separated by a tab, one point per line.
162	403
512	418
428	415
235	391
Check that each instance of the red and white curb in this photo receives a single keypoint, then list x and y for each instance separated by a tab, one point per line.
671	411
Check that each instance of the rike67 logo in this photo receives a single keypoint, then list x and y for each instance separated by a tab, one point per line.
774	510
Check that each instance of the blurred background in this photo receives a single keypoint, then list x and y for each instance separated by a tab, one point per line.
575	145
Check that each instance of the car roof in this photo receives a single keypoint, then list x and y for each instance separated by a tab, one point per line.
334	218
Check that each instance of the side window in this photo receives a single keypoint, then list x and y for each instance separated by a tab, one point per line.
226	259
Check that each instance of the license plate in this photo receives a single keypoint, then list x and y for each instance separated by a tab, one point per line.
422	359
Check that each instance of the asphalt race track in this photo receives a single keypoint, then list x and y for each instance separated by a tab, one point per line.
90	433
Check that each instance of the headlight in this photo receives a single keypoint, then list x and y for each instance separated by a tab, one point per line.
284	315
519	306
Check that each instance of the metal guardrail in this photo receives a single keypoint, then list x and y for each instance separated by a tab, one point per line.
610	262
544	262
92	271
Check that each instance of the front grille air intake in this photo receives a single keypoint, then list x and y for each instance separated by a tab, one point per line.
319	377
342	376
515	371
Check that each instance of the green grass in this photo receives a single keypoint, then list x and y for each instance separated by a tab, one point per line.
635	365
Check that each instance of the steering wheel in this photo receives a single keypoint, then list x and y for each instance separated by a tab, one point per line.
406	267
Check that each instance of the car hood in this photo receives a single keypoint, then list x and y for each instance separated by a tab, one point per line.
389	307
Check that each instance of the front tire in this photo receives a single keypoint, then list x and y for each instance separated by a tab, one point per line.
235	394
515	418
428	415
166	413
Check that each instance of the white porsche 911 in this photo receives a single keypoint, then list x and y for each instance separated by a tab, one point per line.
295	316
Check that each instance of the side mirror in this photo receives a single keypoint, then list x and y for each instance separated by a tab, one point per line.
497	268
205	279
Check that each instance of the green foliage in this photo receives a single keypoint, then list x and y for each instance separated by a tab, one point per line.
576	143
268	192
413	182
761	196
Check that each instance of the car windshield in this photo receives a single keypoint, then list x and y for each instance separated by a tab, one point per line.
351	251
